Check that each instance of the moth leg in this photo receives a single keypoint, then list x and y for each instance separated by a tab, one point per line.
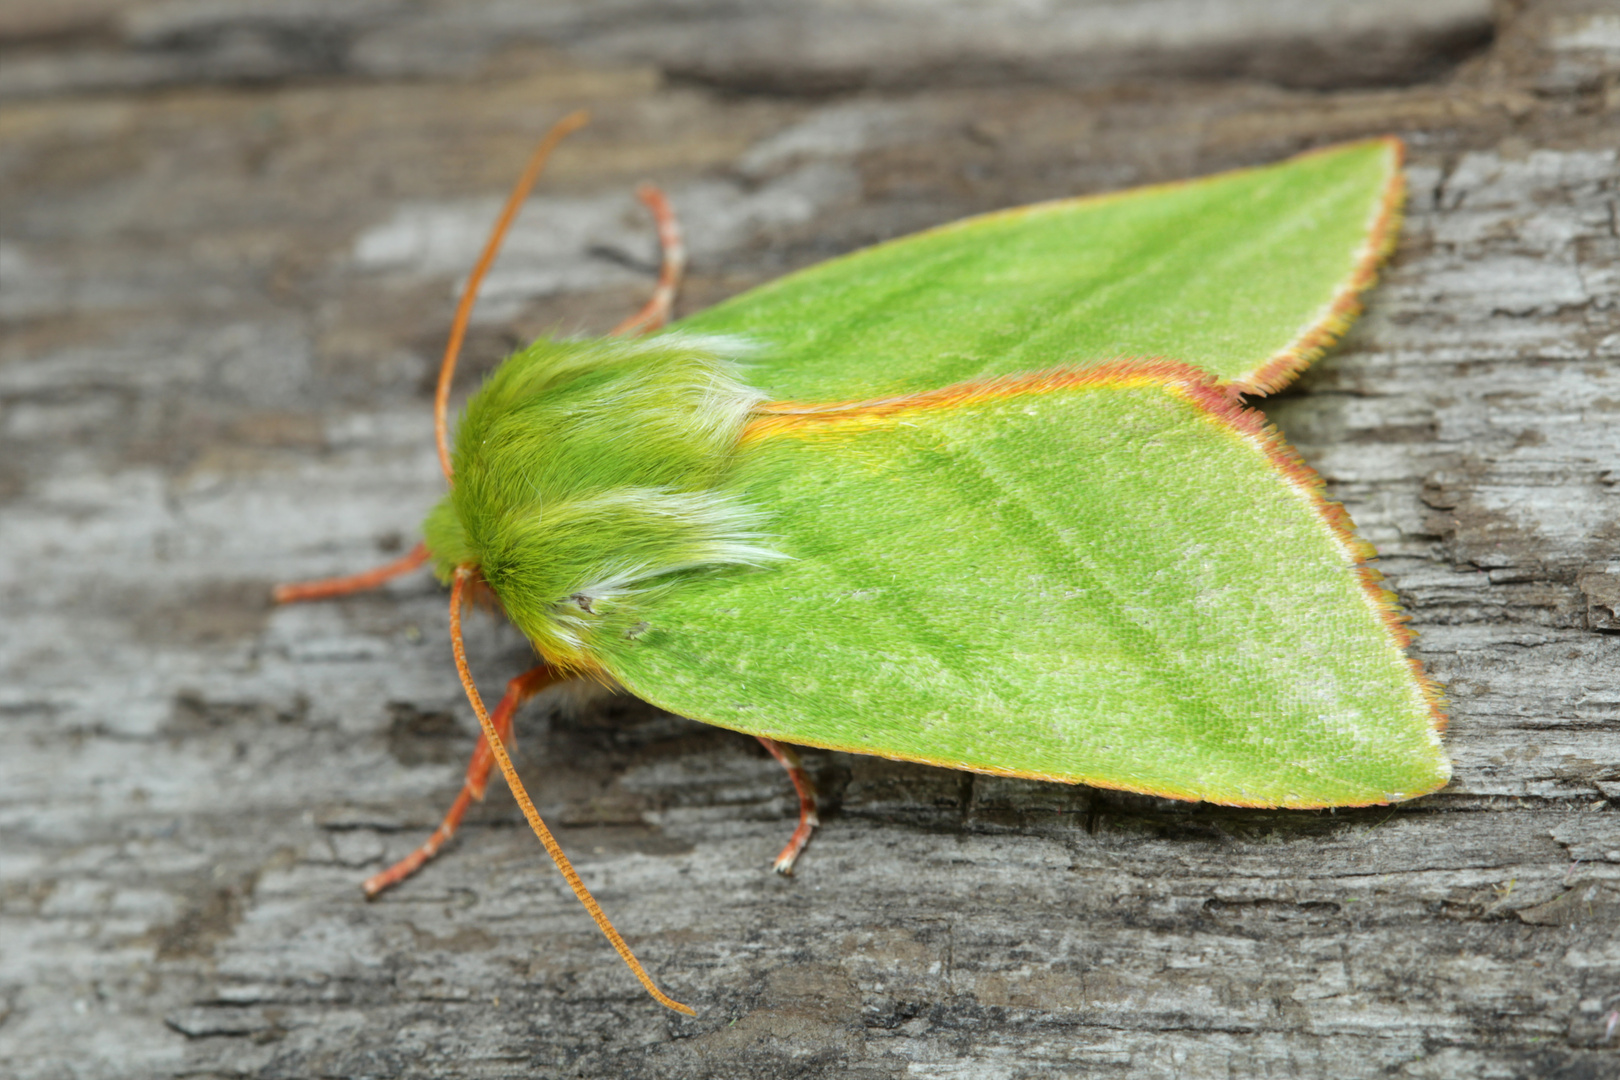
655	313
808	820
324	588
518	691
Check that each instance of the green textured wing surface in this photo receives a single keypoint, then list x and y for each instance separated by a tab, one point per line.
1110	585
1245	274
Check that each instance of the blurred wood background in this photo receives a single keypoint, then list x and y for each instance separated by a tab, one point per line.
230	235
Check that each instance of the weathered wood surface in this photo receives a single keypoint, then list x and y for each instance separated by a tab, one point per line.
231	233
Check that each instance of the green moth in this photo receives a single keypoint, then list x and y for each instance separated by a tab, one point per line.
984	497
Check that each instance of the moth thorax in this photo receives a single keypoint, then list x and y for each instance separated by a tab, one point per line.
590	474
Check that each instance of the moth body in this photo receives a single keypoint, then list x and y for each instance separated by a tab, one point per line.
587	474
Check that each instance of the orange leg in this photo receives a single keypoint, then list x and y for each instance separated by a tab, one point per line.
352	583
807	804
655	313
518	691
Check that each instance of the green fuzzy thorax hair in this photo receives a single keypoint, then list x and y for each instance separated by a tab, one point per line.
586	474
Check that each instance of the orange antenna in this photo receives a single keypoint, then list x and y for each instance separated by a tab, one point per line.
469	295
655	313
457	585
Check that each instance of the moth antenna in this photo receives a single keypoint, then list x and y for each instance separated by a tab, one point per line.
655	313
469	295
504	760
